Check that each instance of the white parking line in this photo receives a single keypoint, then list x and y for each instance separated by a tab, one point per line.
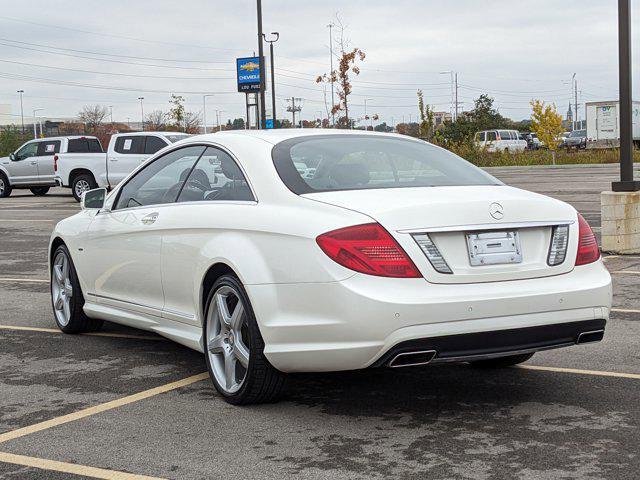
629	272
27	221
25	280
598	373
625	310
90	334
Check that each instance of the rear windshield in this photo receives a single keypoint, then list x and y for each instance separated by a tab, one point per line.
506	135
84	145
578	133
356	162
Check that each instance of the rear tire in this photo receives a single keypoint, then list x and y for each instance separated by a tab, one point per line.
82	183
5	187
231	334
66	296
502	362
39	191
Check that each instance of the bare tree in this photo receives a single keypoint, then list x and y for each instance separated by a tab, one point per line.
192	122
156	120
347	65
92	116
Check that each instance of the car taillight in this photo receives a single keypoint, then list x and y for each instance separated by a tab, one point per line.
588	251
368	249
55	163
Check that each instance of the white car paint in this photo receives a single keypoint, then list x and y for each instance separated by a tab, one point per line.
313	313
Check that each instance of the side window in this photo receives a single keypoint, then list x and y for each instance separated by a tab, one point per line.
84	145
216	176
153	145
491	136
481	137
132	145
160	181
48	148
29	150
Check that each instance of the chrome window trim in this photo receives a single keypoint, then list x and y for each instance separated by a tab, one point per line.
488	226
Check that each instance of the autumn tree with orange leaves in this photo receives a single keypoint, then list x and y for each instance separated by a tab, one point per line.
347	65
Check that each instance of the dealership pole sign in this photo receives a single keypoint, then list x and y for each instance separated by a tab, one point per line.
248	73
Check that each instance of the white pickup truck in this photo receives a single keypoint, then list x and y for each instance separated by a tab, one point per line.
82	172
32	165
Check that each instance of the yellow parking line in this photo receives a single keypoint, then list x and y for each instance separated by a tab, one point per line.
92	334
103	407
631	272
634	376
73	468
26	280
625	310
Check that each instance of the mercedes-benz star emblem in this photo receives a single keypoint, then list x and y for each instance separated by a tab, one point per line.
496	211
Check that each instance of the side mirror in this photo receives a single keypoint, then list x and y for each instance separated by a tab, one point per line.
93	198
12	157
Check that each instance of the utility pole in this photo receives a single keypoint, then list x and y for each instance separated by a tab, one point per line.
626	183
575	105
333	101
453	93
365	113
21	92
293	108
273	76
261	62
456	117
141	112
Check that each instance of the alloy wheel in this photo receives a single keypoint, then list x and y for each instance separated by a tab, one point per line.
227	339
81	187
1	186
61	288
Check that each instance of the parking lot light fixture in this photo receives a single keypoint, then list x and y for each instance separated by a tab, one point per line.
141	113
35	123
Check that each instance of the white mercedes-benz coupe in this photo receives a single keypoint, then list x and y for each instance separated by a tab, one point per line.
312	250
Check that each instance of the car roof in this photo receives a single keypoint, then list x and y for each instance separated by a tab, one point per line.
68	137
151	132
274	136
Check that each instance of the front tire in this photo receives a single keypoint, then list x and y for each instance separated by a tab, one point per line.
66	296
82	183
39	191
502	362
5	187
234	348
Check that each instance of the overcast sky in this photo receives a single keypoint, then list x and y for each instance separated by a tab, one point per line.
513	51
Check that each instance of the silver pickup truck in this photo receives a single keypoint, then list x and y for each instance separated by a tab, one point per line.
32	165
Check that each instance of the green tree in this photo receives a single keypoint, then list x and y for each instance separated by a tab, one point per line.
426	126
10	139
177	111
546	122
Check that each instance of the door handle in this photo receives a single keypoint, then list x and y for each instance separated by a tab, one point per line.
150	219
113	159
34	162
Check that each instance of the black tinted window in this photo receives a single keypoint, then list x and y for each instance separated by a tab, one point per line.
133	145
356	162
160	181
84	145
153	145
216	176
491	136
48	148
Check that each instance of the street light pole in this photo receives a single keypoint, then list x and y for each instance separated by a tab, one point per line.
111	112
21	92
141	113
333	102
626	183
273	76
204	110
261	62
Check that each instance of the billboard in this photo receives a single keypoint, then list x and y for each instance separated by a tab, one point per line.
248	73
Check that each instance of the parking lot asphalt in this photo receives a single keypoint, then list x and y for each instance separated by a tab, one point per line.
126	404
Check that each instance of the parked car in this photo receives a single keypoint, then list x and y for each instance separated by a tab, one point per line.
32	165
500	141
576	139
533	143
394	253
82	171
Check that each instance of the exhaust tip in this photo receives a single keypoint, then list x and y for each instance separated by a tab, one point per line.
590	337
412	359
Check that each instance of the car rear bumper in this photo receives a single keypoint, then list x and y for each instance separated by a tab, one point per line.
357	322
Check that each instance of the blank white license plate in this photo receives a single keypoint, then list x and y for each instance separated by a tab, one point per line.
494	248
